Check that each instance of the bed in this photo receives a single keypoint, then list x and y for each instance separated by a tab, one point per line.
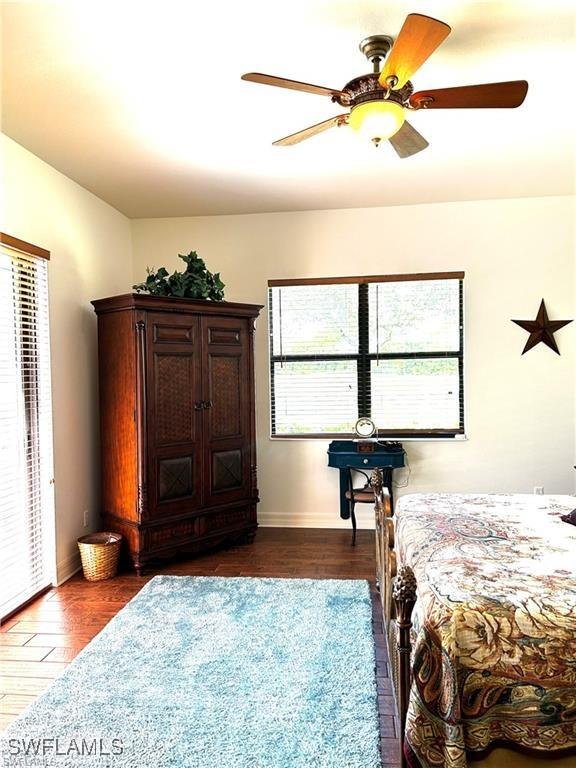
479	606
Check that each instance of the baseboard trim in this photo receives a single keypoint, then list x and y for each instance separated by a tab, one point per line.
66	568
310	521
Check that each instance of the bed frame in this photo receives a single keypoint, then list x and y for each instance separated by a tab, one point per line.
398	591
397	588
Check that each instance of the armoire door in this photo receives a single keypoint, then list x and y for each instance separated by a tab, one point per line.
174	426
227	409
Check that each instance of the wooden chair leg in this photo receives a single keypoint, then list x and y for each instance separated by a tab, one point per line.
353	518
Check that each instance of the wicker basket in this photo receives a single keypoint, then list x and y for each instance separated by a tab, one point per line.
99	553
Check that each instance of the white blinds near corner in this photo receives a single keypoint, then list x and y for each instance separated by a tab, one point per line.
26	493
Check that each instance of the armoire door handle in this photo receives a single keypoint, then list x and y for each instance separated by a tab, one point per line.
198	405
207	403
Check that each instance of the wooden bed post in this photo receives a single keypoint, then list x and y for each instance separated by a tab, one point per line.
376	482
404	595
385	555
398	597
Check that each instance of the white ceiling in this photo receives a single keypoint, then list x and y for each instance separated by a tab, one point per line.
142	102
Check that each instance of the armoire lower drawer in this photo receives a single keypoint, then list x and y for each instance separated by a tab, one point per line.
230	519
178	534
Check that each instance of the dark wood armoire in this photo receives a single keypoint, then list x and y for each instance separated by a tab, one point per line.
177	432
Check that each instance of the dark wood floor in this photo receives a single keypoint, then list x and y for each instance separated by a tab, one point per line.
37	643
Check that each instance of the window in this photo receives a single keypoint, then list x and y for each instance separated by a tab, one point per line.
26	498
390	348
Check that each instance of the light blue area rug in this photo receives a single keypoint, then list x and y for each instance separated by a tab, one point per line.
216	673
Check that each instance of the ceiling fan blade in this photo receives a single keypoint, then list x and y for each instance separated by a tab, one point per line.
407	141
296	138
417	40
490	95
294	85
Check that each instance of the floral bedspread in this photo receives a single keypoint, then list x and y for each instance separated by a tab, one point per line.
495	623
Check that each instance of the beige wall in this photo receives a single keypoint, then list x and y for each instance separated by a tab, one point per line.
520	410
90	244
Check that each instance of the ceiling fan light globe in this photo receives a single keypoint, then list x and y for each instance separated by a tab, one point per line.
377	120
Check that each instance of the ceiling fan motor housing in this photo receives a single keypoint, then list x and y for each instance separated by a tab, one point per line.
367	88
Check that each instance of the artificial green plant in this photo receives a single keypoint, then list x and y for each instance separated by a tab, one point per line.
196	282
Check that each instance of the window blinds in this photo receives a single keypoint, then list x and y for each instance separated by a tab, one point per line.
26	496
390	348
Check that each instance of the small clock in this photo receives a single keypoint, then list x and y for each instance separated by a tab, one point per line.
364	427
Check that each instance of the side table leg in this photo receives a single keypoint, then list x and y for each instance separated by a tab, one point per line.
344	507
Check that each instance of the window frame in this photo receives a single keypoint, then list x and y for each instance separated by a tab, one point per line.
364	358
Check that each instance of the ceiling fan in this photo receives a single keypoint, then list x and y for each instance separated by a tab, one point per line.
378	101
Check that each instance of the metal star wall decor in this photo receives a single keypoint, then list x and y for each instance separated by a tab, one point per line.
541	329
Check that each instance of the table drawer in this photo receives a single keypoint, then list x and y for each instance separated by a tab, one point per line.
366	460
